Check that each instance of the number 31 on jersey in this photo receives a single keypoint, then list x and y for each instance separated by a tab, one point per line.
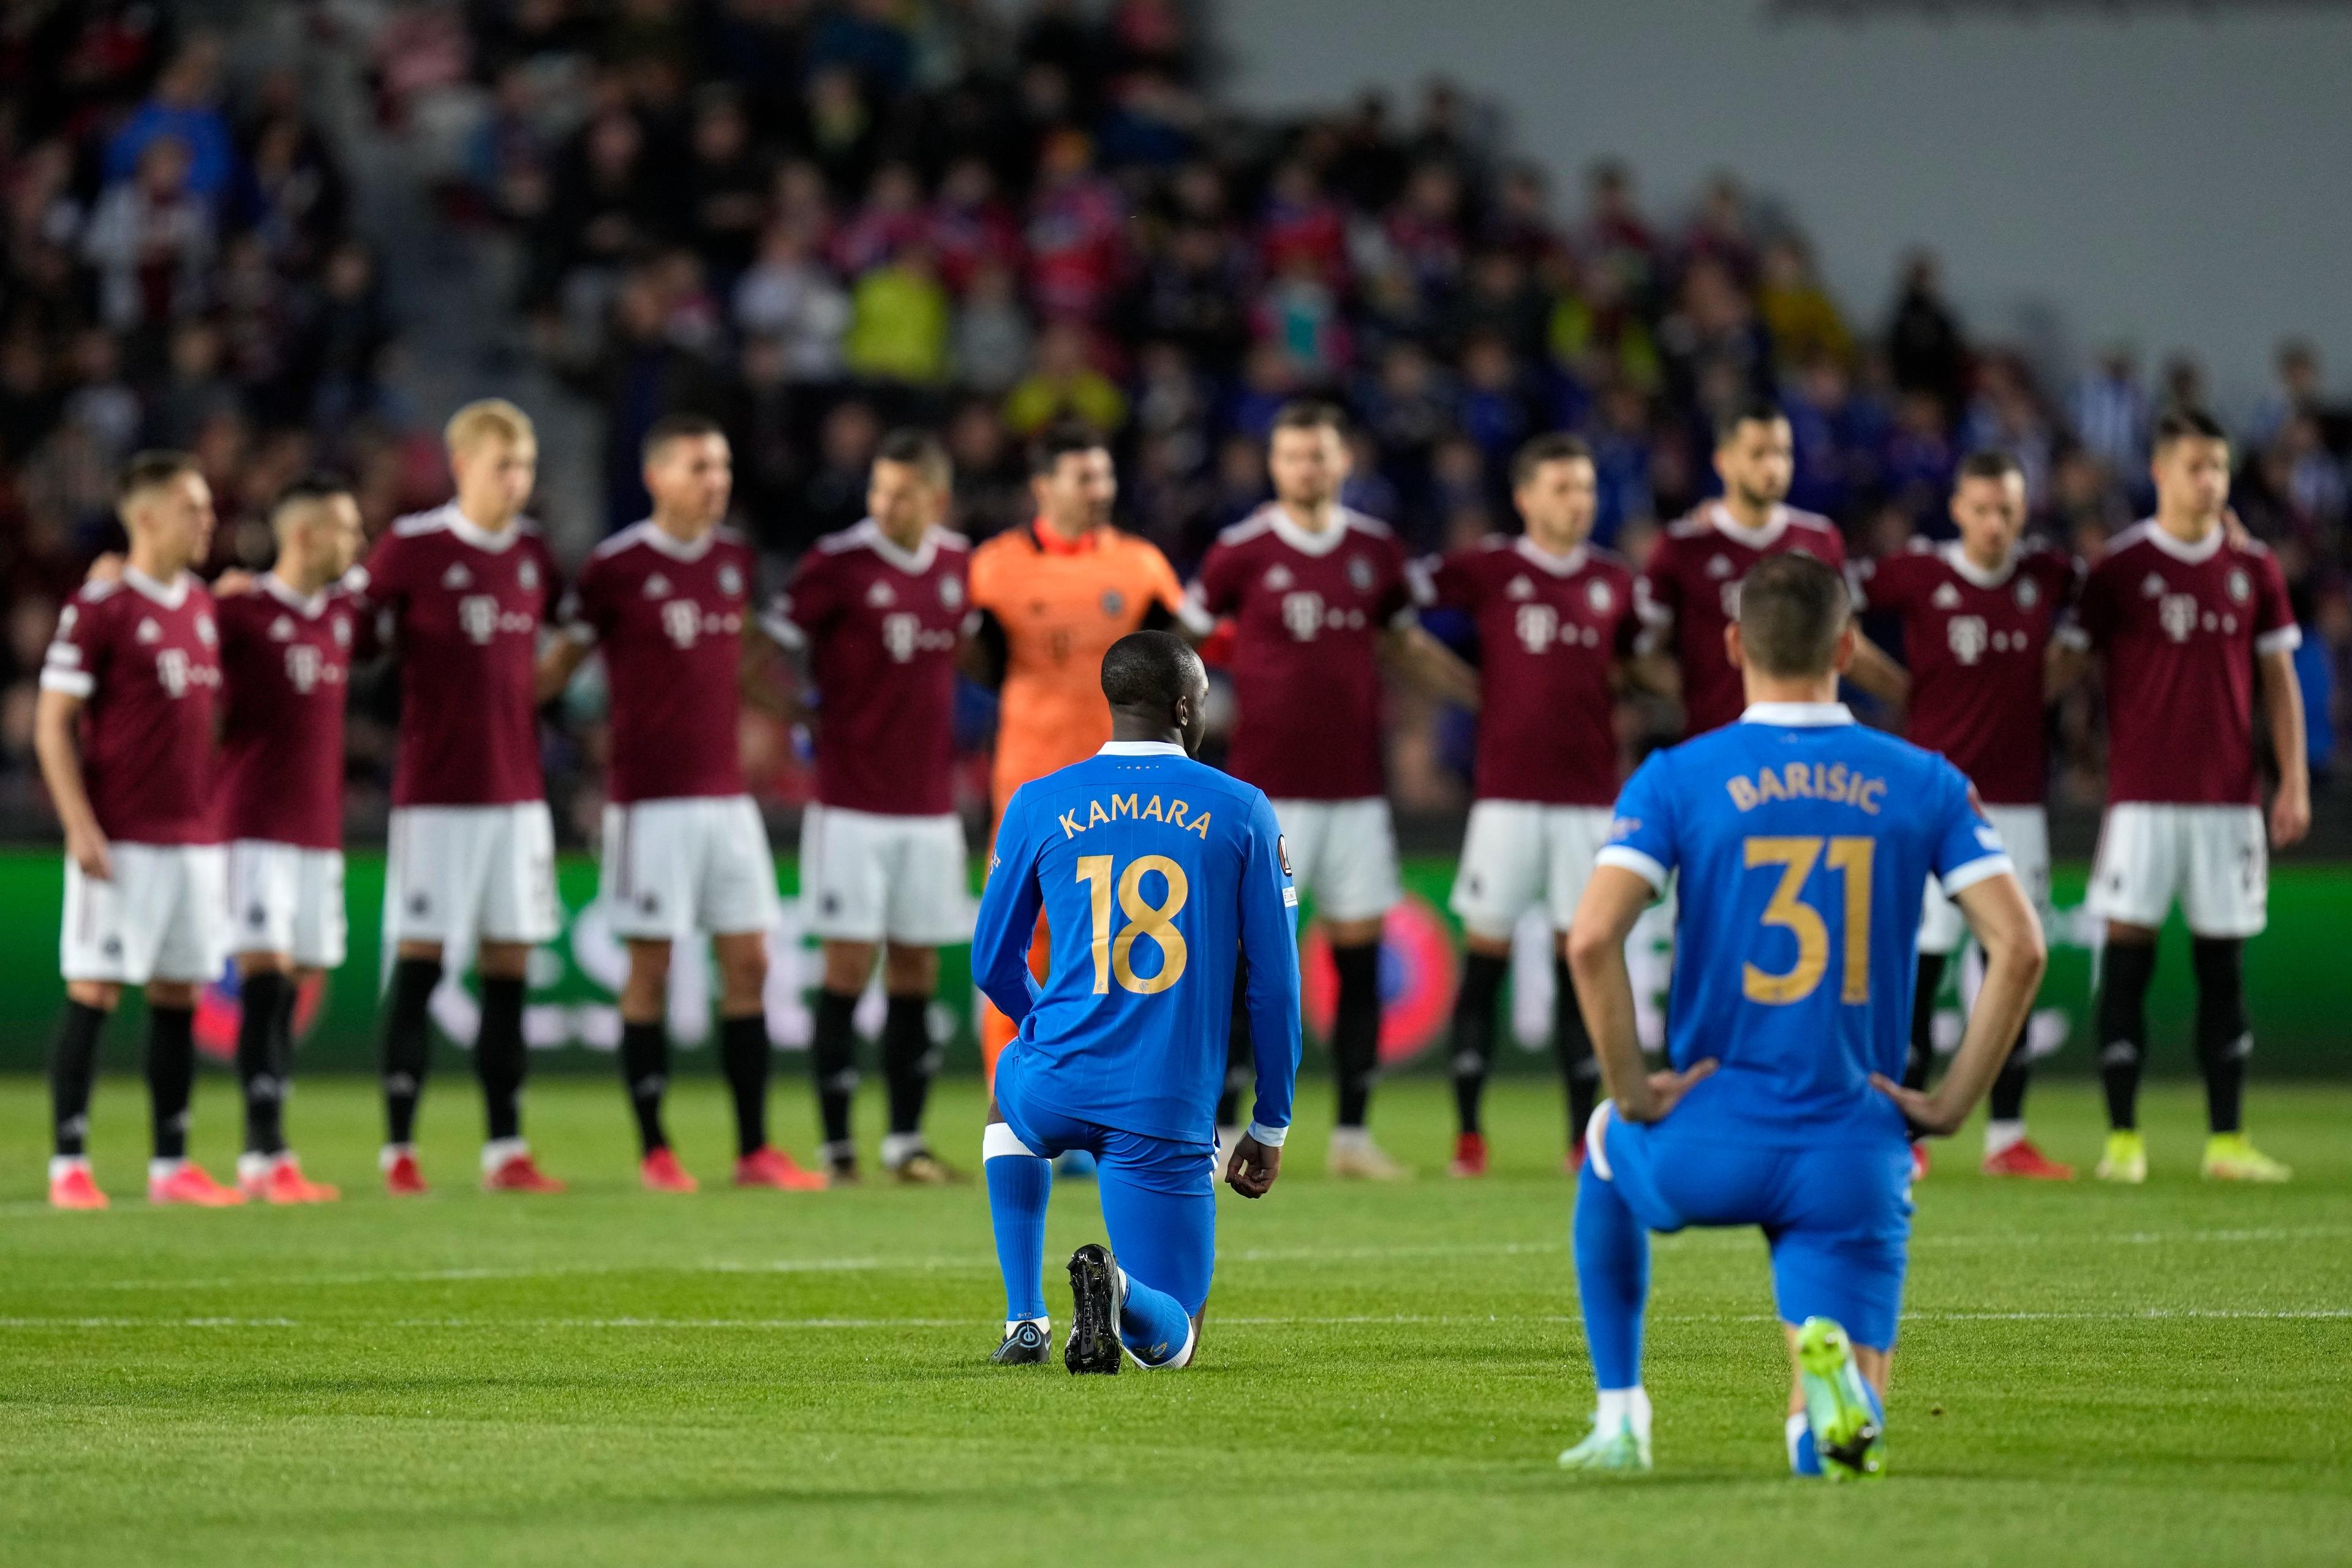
1787	910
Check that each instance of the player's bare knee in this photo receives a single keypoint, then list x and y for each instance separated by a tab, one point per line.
847	965
260	963
430	952
742	973
643	993
103	995
498	959
170	993
2121	933
910	971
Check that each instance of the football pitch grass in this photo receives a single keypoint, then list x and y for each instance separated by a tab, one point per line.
2087	1374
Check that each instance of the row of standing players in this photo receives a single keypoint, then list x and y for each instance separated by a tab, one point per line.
180	846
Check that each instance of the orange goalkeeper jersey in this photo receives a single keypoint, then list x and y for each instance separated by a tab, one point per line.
1060	606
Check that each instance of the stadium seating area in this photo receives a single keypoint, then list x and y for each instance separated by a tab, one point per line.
814	220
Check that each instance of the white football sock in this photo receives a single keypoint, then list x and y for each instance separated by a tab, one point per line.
2002	1136
1628	1407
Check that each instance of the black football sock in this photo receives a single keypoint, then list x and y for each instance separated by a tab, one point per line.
1473	1033
2007	1102
407	1043
1922	1055
257	1068
2224	1037
73	1074
1355	1028
498	1056
645	1073
833	1058
170	1075
1574	1043
1241	1056
281	1044
743	1052
908	1061
2126	969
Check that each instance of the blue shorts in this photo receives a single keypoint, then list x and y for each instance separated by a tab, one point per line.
1837	1214
1159	1195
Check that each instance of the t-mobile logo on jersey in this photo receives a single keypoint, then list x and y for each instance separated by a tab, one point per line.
480	619
304	665
1967	636
2178	614
681	622
175	674
1537	626
1302	616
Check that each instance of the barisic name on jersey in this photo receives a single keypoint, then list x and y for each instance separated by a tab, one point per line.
1832	782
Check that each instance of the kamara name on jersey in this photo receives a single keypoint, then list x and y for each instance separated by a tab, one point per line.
1800	781
1123	807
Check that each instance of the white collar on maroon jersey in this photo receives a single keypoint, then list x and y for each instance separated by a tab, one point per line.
657	537
1141	749
481	538
1797	715
1731	528
171	595
2185	553
1299	539
914	562
1956	558
1543	560
276	588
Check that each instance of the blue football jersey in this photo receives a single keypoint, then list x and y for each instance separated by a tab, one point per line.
1155	871
1804	843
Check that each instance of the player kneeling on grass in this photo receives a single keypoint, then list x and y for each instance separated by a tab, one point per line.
1805	842
124	732
1154	872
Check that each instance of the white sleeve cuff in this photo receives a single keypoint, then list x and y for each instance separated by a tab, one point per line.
1625	858
1405	619
581	632
1193	616
2279	639
1976	871
2073	636
783	632
72	682
1270	1137
1418	578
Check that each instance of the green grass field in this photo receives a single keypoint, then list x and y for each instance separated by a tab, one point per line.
2087	1374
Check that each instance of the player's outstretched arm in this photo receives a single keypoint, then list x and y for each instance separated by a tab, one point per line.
1614	900
558	661
1877	673
53	743
2283	706
1430	665
2008	931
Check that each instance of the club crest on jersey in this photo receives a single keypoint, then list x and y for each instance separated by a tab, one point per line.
880	595
1360	575
2029	593
282	629
149	631
1719	566
2241	586
1519	587
1114	603
1282	852
527	574
730	581
657	586
1278	577
1946	597
950	591
1598	594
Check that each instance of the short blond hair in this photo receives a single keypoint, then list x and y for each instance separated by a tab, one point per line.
489	416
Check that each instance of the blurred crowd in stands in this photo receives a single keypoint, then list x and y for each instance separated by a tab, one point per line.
816	219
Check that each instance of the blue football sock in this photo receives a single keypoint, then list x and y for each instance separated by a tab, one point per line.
1018	1186
1612	1281
1154	1325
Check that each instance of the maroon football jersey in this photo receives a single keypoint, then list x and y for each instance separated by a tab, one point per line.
1551	630
1975	643
2180	625
670	618
1308	612
287	661
880	625
463	608
1690	592
146	660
